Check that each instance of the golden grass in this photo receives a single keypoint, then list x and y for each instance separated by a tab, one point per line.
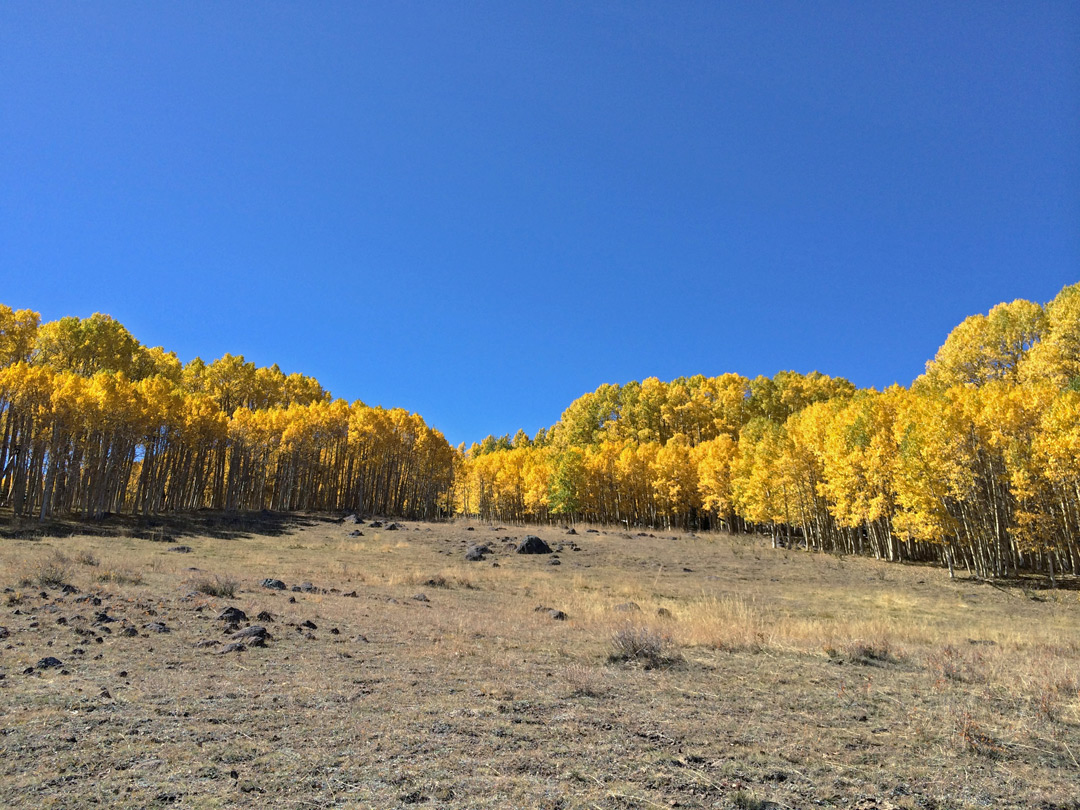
777	675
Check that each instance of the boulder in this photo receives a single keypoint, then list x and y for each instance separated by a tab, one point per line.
533	545
474	554
255	631
273	584
231	614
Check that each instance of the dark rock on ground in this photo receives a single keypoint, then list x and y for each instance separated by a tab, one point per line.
352	594
232	614
470	529
101	617
236	646
592	531
663	613
554	613
533	545
355	519
356	533
307	587
571	531
265	616
69	589
129	630
180	549
49	663
393	527
93	600
421	597
156	627
273	584
554	561
474	554
310	625
255	631
376	524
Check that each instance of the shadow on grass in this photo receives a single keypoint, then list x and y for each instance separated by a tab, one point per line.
164	528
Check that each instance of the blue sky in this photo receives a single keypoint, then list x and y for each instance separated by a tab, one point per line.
480	210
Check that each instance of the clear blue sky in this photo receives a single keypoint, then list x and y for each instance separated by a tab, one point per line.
480	210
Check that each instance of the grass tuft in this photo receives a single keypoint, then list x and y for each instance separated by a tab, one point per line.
223	587
640	643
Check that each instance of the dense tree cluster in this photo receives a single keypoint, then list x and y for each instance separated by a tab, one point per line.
92	422
977	464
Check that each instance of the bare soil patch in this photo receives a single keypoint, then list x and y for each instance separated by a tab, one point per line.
644	669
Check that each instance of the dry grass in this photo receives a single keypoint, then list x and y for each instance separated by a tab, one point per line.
745	677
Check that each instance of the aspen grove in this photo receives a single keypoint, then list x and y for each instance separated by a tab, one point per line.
975	465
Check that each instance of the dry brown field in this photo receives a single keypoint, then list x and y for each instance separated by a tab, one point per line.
687	671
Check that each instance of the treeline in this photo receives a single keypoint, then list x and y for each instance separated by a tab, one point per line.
976	465
92	422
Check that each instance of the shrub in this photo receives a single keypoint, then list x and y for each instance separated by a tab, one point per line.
52	572
224	587
641	643
120	576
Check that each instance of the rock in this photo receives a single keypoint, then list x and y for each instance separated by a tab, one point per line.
295	589
334	631
393	527
307	587
571	530
355	519
474	554
236	646
265	616
255	631
555	614
356	533
376	524
352	595
129	630
273	584
232	614
4	632
156	627
421	597
69	589
554	561
533	545
101	617
592	531
664	613
310	625
205	643
180	549
627	607
49	663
